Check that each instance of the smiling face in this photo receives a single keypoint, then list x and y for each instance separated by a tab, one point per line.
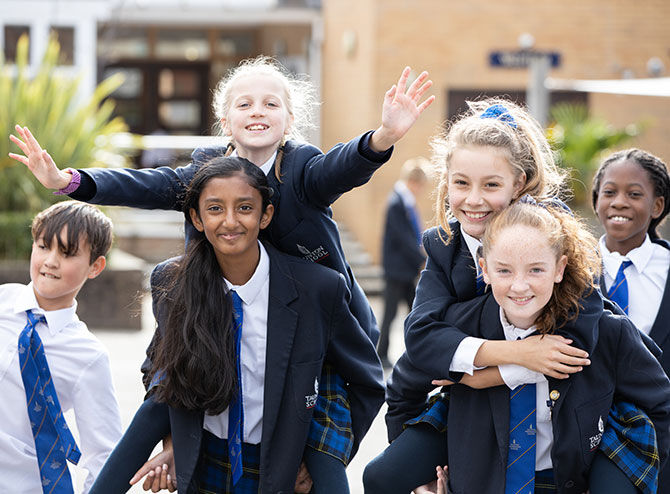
230	214
58	277
258	117
522	269
626	205
481	182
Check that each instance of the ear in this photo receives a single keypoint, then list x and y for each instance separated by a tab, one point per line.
657	208
267	216
195	219
519	184
485	272
96	268
560	268
225	127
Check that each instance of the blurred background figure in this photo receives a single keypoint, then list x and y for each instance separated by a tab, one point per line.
402	253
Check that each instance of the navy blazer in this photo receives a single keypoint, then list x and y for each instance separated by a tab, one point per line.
309	323
302	224
402	257
622	368
450	277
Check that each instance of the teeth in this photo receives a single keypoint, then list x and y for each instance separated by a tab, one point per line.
257	127
521	299
619	219
476	216
50	276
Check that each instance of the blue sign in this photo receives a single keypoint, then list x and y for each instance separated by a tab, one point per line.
520	59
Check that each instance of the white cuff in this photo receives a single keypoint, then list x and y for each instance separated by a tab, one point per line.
464	356
515	375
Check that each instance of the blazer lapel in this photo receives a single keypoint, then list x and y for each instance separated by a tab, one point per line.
281	327
186	428
661	327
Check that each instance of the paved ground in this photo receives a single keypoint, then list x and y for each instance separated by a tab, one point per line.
126	349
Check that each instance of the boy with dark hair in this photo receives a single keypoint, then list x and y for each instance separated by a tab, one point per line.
50	363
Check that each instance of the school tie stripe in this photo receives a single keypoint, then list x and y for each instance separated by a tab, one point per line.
235	411
618	292
480	284
520	473
54	443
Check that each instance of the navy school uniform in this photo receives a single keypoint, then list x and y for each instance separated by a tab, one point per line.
302	224
309	324
622	368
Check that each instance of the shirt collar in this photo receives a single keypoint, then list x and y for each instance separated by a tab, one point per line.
265	167
639	256
473	246
57	320
511	331
250	290
405	194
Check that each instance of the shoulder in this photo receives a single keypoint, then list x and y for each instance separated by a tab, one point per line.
433	243
308	276
299	150
83	345
9	292
613	329
201	156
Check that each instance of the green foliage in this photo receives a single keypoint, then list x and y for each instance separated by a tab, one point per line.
15	241
70	127
583	141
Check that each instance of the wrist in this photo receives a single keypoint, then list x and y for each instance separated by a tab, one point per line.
381	140
70	180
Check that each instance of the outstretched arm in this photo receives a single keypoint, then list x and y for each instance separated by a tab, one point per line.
402	107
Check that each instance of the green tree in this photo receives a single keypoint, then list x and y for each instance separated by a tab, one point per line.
73	129
582	141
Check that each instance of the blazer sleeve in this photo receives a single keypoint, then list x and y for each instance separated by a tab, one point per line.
151	188
355	359
327	176
642	381
406	395
430	341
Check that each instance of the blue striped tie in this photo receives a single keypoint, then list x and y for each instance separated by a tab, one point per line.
520	475
235	412
618	292
53	441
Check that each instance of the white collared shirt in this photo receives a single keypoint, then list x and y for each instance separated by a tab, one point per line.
646	279
265	167
544	433
464	356
81	374
255	295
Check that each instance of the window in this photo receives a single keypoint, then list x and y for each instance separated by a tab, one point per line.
12	35
65	36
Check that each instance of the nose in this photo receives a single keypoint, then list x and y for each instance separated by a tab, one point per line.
619	200
53	257
258	109
474	197
230	218
519	284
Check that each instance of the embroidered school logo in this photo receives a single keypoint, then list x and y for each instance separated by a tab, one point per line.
594	441
316	255
310	400
530	431
514	445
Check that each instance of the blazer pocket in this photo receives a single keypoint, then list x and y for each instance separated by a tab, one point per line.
591	421
305	381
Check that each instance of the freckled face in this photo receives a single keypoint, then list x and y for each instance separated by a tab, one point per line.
626	205
522	270
481	183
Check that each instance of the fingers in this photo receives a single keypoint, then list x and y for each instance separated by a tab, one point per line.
19	157
147	468
22	145
390	94
441	382
402	82
33	145
426	104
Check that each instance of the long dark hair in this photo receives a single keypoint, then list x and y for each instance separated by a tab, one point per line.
196	355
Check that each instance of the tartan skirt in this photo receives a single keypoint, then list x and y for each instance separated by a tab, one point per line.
213	474
330	430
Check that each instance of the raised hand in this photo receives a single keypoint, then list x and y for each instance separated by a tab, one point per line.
38	161
402	106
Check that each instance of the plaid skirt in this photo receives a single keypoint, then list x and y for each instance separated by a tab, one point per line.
330	430
435	414
213	475
629	440
544	482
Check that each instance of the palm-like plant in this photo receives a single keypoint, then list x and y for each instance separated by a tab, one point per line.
582	141
72	128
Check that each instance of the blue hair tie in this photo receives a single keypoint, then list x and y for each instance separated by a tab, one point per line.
499	112
554	203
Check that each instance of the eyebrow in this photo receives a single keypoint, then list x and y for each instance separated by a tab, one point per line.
488	177
218	199
633	184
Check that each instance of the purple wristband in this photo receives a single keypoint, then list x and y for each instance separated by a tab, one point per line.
73	185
